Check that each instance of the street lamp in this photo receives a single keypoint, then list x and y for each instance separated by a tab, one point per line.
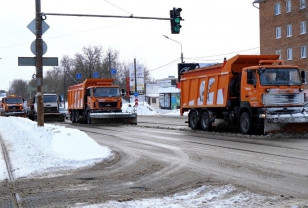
182	59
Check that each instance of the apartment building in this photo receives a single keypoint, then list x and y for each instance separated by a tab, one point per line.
283	30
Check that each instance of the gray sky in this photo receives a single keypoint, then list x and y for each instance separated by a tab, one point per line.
211	31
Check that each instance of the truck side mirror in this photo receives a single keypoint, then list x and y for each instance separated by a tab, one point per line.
303	75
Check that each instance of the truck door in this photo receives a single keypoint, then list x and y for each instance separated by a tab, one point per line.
248	91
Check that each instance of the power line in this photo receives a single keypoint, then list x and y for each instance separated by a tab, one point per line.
223	53
118	7
164	65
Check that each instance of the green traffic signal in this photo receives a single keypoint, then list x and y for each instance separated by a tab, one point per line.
177	20
175	16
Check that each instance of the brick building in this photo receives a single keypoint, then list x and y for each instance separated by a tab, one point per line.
283	30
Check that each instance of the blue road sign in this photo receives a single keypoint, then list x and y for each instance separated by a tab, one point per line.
113	71
78	76
95	74
136	94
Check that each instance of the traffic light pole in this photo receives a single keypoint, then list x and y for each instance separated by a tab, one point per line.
110	16
39	64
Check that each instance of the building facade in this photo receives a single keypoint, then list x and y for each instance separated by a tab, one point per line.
283	30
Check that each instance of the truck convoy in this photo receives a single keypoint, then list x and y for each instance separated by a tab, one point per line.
12	105
51	108
256	93
97	101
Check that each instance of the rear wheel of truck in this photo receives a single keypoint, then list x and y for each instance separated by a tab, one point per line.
205	121
194	120
72	116
76	116
88	118
245	123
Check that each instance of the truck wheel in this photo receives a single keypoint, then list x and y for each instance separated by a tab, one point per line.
205	121
235	87
245	123
88	118
76	117
73	116
194	120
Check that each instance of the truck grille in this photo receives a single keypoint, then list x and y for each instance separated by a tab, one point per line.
50	109
282	99
14	107
107	104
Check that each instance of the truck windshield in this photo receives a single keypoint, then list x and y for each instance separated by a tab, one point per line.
106	92
13	100
286	76
50	98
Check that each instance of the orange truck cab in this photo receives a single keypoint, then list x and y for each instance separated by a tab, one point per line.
12	105
253	92
97	99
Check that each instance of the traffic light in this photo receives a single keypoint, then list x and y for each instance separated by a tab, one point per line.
175	15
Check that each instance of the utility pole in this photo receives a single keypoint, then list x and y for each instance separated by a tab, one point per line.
109	59
135	69
39	64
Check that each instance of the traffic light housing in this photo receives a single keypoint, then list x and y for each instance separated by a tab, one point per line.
175	15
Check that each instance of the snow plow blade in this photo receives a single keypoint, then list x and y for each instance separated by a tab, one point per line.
114	118
53	117
16	114
295	123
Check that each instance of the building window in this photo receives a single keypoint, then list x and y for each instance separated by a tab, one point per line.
289	30
302	4
288	6
278	52
304	52
278	32
303	27
277	9
289	54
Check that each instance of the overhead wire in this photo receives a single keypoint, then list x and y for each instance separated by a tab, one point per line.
165	65
116	6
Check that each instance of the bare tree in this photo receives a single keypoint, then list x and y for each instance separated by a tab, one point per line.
92	59
19	87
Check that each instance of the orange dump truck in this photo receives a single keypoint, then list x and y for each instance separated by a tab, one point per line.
256	93
12	105
97	100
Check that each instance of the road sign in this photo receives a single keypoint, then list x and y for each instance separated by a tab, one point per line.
33	48
78	76
32	27
136	94
113	71
31	61
136	101
95	74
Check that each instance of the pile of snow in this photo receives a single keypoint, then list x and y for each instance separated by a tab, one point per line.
144	108
205	196
36	150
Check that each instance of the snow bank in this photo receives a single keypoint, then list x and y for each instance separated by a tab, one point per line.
205	196
37	150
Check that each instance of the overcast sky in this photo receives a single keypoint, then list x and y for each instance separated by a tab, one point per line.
211	31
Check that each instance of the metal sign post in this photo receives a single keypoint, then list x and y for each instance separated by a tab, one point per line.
39	65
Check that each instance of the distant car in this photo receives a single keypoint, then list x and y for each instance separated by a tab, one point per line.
64	112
